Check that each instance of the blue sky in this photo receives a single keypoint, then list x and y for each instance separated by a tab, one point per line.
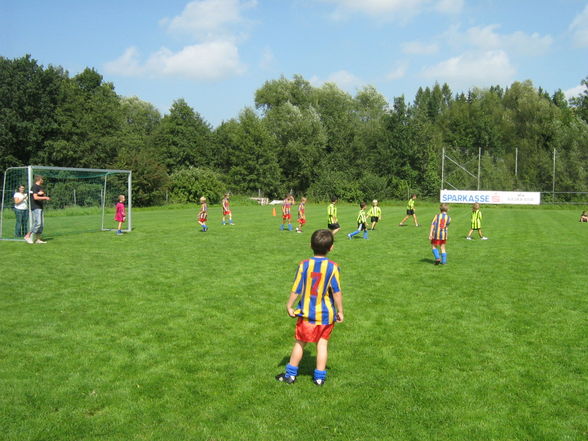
216	53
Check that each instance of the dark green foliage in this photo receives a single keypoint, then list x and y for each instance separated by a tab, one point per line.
316	140
188	185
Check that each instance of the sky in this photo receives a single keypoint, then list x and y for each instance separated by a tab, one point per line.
215	54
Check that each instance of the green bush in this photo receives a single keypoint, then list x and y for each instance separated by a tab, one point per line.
188	185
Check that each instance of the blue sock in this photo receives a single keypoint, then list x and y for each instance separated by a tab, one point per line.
436	254
289	227
443	258
224	223
282	227
365	234
291	371
231	221
354	233
320	375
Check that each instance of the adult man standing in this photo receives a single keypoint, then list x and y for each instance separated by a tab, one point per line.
37	200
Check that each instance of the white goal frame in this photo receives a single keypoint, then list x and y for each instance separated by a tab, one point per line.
38	169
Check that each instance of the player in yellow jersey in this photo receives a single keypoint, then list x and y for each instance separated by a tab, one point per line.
375	214
320	305
332	221
476	222
361	222
410	211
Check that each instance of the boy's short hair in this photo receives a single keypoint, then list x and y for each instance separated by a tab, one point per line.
333	198
414	195
444	208
362	205
476	205
38	178
321	242
375	201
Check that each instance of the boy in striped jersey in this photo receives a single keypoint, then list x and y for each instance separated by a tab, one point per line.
476	222
321	305
361	222
438	234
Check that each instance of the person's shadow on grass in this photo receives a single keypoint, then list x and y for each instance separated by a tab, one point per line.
307	365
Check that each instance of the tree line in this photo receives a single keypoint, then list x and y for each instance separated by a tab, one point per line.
318	141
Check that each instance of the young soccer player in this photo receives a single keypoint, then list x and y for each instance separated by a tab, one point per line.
332	222
476	223
375	214
361	222
203	214
287	212
438	234
321	305
120	215
226	208
301	215
410	211
584	216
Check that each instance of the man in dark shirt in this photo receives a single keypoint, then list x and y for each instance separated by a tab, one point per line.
37	198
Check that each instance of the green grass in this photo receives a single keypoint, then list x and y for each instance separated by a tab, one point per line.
171	334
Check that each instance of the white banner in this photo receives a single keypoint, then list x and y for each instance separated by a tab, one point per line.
490	197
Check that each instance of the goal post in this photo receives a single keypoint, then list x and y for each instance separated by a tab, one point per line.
82	199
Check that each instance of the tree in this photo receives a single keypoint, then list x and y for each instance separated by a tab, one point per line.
249	155
29	97
183	138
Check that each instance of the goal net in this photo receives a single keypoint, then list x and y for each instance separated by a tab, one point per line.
82	200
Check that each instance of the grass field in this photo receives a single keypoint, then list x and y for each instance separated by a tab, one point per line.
167	333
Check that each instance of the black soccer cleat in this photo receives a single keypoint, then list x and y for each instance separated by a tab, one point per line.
288	379
318	381
437	262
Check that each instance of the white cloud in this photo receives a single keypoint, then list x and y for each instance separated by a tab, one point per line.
486	38
343	79
473	69
575	91
267	59
209	61
386	9
127	65
450	6
418	48
206	19
579	28
398	72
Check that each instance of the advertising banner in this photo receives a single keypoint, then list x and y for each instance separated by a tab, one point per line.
490	197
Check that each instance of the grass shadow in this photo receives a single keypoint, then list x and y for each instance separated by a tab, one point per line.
307	364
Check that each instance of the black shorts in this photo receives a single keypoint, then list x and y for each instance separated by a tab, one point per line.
409	212
332	227
361	227
375	218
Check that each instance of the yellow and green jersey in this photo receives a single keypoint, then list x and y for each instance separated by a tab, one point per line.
361	217
316	281
375	211
476	220
410	204
332	213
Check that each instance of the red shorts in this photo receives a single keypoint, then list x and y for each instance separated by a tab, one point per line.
202	219
287	216
436	242
310	333
301	221
226	213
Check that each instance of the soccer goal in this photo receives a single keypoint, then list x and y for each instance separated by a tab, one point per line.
82	199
